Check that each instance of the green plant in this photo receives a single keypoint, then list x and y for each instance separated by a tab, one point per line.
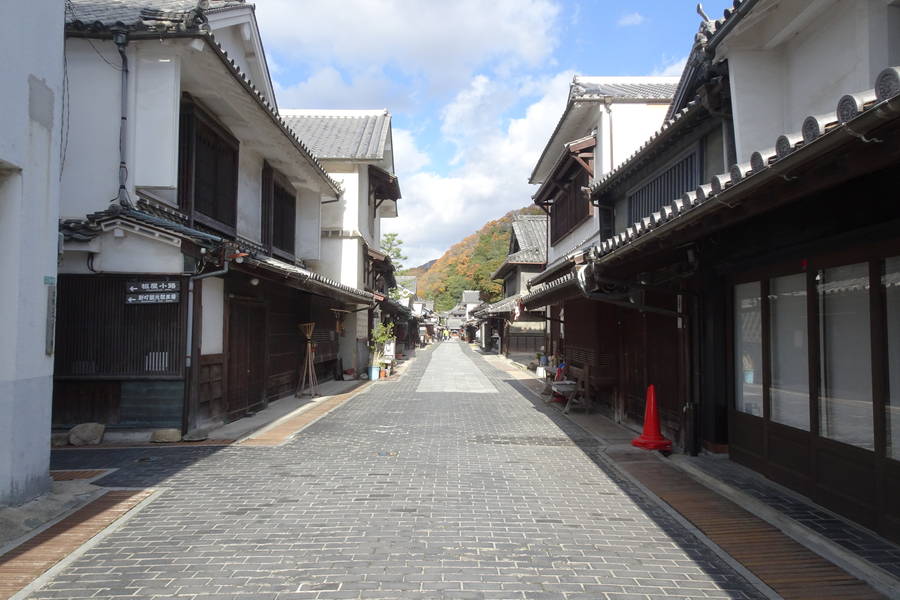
381	333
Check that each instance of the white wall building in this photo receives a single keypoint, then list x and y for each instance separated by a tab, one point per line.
606	119
32	100
356	148
795	58
215	182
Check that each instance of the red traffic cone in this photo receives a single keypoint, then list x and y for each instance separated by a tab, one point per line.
651	438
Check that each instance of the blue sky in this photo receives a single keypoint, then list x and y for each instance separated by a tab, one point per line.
475	87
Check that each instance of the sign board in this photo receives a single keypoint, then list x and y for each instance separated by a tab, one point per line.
153	298
389	349
137	287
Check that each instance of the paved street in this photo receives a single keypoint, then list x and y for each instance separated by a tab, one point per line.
452	482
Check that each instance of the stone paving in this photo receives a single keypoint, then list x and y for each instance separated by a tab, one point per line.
409	490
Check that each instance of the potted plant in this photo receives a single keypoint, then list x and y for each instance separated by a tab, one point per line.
381	333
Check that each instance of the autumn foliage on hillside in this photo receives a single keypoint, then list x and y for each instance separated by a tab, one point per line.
469	264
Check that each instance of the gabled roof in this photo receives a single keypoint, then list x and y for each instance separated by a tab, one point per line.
583	92
529	233
620	89
342	134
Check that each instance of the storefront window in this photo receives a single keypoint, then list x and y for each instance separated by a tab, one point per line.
748	349
789	389
891	282
845	377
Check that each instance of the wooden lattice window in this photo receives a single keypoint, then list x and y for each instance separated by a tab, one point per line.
665	186
570	208
208	170
279	212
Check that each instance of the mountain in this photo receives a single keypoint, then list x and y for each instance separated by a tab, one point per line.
469	264
420	270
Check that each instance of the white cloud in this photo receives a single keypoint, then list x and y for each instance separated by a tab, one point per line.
631	19
670	67
491	178
444	42
408	158
327	87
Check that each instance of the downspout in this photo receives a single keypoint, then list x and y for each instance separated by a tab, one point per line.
120	38
607	104
188	362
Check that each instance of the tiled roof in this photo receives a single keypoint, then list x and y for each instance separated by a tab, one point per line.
471	296
530	232
850	110
551	291
622	88
505	306
346	134
316	283
143	14
84	230
407	282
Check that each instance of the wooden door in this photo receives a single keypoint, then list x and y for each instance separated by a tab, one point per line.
246	357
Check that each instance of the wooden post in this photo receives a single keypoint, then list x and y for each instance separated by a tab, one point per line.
308	369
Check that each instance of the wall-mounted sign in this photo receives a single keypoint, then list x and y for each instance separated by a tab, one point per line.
153	298
135	287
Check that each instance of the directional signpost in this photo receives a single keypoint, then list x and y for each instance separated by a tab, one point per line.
153	292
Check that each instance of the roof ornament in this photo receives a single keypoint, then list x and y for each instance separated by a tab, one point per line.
702	13
887	84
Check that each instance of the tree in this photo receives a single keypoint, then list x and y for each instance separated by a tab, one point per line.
393	245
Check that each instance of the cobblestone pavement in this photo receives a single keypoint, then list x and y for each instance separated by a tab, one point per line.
403	492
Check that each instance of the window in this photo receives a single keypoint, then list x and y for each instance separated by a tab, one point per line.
748	348
789	387
279	211
570	208
890	280
208	167
663	188
845	377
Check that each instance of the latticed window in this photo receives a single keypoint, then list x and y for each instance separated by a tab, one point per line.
663	188
208	170
279	211
570	207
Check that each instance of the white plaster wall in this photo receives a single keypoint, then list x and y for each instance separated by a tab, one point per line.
364	224
588	229
213	316
840	51
249	202
135	253
31	97
308	237
632	125
90	172
157	73
343	213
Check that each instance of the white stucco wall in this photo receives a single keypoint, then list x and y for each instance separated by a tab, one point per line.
308	238
31	97
342	214
776	84
213	316
90	173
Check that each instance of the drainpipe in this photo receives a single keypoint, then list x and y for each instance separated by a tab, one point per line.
120	38
607	104
188	355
